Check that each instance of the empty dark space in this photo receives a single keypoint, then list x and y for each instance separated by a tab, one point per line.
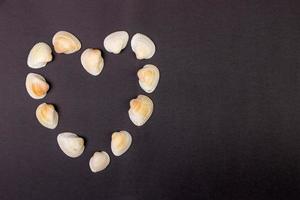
226	121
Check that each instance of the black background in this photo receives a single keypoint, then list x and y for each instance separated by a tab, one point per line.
226	119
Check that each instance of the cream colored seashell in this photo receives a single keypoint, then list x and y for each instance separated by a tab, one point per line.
148	78
142	46
39	55
36	86
65	42
99	161
92	61
47	115
140	110
71	144
116	41
120	142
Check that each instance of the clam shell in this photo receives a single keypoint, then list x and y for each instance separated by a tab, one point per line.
148	78
65	42
36	86
99	161
116	41
71	144
47	115
140	110
39	55
92	61
120	142
142	46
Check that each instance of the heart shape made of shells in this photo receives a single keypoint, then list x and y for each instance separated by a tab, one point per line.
140	110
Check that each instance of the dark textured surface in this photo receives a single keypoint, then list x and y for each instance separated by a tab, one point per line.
226	123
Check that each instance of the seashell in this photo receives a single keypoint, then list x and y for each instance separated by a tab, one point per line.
47	115
65	42
39	55
99	161
116	41
142	46
120	142
92	61
36	86
71	144
140	110
148	78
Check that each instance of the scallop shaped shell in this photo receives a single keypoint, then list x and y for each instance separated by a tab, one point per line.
36	86
92	61
47	115
120	142
116	41
71	144
39	55
140	110
148	78
65	42
99	161
142	46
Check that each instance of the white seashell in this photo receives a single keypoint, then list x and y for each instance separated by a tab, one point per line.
142	46
47	115
36	86
71	144
65	42
116	41
148	78
92	61
99	161
140	110
120	142
39	55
